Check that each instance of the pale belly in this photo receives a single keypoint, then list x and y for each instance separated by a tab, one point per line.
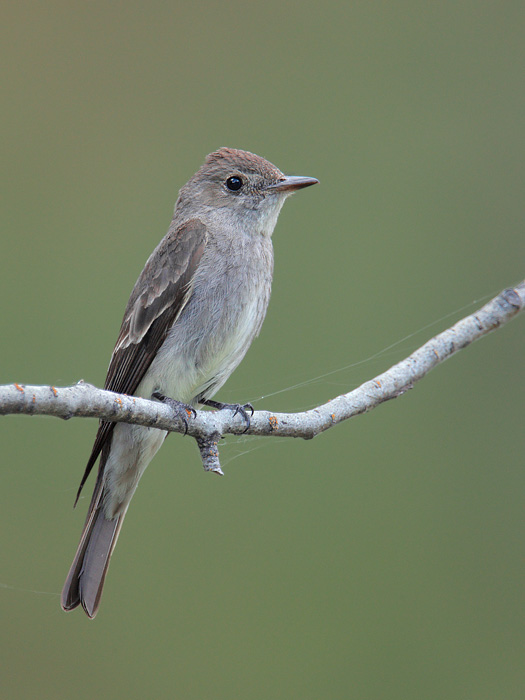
205	345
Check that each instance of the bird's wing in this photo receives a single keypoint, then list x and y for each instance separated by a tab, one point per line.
160	294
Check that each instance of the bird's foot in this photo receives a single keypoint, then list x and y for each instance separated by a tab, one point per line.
183	410
235	407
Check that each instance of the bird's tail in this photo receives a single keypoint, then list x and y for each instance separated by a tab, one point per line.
88	571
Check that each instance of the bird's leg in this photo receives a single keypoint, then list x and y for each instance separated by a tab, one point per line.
182	410
235	407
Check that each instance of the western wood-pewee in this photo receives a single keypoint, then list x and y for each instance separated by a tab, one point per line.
196	307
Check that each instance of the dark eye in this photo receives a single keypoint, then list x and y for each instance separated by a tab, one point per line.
234	183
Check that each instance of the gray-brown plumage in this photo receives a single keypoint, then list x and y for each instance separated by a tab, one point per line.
195	308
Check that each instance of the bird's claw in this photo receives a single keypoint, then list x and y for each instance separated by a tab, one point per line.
242	409
182	410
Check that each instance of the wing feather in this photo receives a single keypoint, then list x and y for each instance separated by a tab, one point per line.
159	295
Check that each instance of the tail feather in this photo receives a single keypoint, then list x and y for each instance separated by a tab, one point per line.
86	576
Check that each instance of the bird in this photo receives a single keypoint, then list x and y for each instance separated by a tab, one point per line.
196	307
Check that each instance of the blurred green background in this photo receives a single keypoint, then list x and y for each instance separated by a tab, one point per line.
383	560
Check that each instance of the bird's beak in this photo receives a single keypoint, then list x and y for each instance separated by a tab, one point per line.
291	183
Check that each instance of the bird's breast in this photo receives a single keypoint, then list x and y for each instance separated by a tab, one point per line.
229	298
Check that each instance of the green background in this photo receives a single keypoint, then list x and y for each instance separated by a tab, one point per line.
383	560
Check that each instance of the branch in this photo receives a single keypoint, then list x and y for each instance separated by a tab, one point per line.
86	401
